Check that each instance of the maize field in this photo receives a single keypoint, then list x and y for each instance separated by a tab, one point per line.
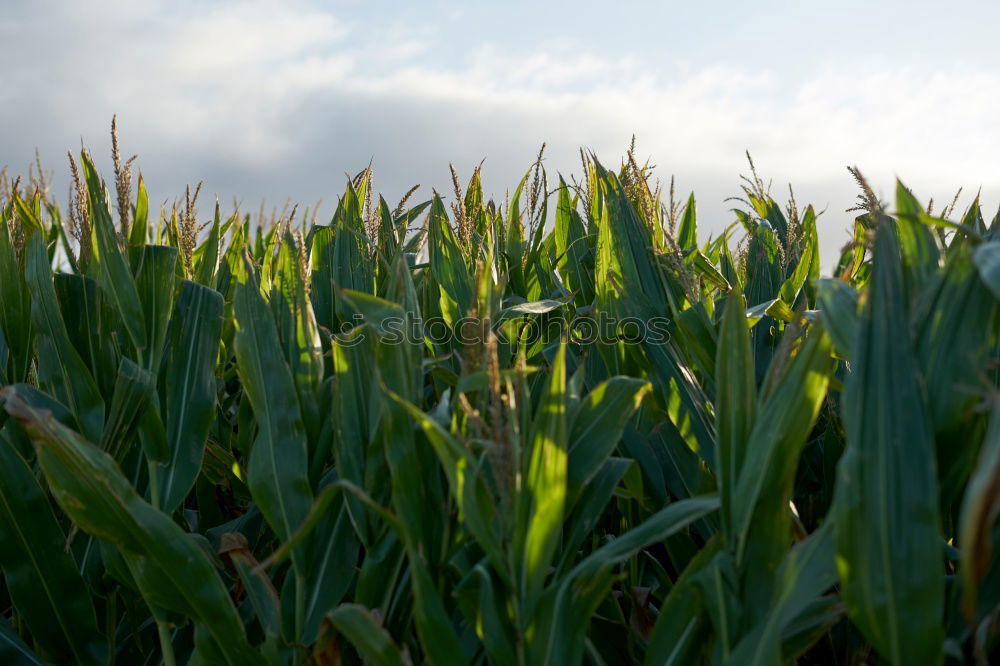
563	428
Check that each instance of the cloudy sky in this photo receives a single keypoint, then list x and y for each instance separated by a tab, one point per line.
269	100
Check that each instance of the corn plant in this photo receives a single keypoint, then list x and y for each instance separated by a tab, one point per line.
561	429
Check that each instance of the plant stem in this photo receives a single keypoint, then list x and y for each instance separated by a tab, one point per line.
111	622
154	485
300	609
166	646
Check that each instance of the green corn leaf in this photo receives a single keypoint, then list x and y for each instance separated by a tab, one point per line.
448	265
694	334
116	276
851	261
296	321
564	616
667	460
588	508
918	244
761	515
807	261
545	482
366	634
277	468
811	626
887	527
735	403
320	511
806	572
513	237
15	310
352	245
986	257
92	326
389	235
573	246
719	589
534	307
188	387
727	265
624	255
417	493
338	260
467	484
139	232
330	570
562	619
171	570
631	283
61	371
980	509
434	626
812	233
708	270
322	277
839	304
598	423
687	235
260	591
41	577
4	358
417	496
13	651
772	309
763	285
680	635
39	400
154	280
354	369
208	253
134	397
230	264
952	345
492	625
300	340
29	214
555	518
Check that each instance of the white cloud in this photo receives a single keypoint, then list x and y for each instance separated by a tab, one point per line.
268	100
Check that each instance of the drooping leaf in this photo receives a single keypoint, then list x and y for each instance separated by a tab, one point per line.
41	577
171	570
367	635
563	621
806	572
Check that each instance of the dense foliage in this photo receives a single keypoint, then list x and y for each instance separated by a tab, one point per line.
471	436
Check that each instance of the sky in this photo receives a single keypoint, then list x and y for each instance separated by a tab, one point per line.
278	100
